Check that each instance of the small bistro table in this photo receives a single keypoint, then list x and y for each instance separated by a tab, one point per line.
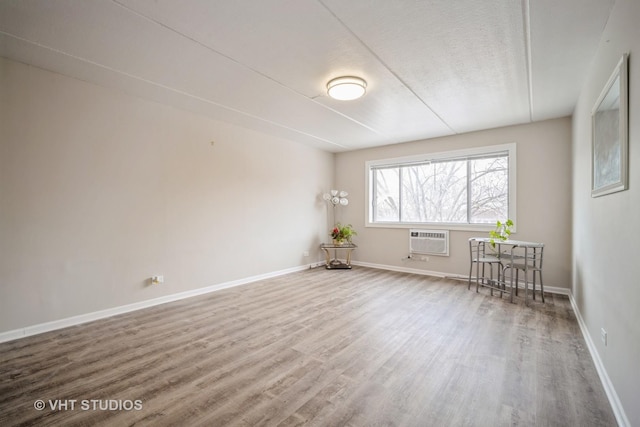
517	254
335	263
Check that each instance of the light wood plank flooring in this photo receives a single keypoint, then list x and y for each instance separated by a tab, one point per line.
363	347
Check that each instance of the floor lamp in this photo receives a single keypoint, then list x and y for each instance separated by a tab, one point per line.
336	198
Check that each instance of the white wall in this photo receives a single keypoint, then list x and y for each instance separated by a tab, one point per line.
606	230
100	190
543	198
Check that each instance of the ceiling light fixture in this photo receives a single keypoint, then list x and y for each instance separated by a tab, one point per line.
346	88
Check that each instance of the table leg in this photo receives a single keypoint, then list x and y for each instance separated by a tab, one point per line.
327	256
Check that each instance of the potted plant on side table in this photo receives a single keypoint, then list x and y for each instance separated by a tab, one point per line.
342	234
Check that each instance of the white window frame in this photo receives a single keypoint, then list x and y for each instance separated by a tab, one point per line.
478	151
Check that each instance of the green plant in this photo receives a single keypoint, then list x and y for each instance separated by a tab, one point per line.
502	232
343	233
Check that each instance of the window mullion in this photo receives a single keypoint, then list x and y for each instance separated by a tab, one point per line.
400	177
468	191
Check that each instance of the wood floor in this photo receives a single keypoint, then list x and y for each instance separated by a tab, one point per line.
363	347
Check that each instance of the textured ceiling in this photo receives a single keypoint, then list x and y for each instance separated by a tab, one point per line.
433	67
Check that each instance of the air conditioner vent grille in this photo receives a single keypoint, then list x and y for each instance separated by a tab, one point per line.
429	242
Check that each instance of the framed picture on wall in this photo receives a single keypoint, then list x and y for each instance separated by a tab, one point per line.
610	130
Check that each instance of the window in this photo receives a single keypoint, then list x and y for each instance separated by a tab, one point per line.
467	187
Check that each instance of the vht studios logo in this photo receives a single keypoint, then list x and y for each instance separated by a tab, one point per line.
88	405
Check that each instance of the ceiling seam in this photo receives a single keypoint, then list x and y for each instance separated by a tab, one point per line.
526	18
160	85
384	64
209	48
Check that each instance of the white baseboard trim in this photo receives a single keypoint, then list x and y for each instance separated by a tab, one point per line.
317	264
89	317
616	405
400	269
550	289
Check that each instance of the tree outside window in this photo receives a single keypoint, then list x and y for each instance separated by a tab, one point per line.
469	190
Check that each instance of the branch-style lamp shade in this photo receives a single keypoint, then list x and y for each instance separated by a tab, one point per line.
346	88
337	198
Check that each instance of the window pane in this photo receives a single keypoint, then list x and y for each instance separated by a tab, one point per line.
460	187
435	192
489	190
387	189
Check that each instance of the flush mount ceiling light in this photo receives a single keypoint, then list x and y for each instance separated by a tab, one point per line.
346	88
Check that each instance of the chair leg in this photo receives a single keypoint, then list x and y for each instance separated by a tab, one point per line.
534	285
510	283
491	278
541	286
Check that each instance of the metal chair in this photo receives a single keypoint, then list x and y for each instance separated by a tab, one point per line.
527	259
479	256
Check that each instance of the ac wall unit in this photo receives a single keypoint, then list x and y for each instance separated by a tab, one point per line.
429	242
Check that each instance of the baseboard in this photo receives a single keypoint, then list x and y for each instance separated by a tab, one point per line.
400	269
89	317
614	401
549	289
317	264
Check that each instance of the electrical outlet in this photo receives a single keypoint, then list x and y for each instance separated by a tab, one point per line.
156	280
305	253
424	258
603	336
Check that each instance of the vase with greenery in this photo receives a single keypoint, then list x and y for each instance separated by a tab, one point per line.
502	232
342	234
